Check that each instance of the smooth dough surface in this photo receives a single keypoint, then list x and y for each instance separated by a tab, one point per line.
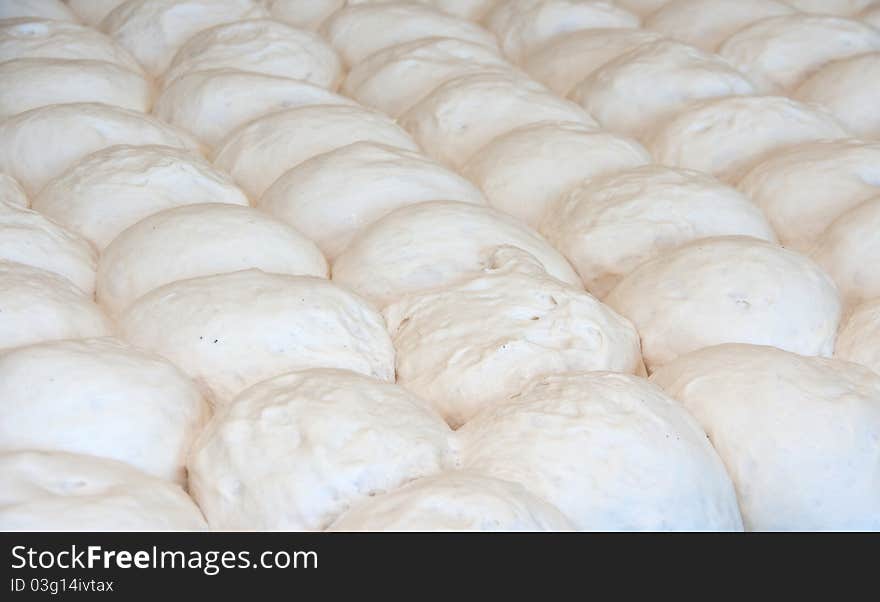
800	436
294	452
12	193
92	12
730	289
831	7
859	338
642	7
871	16
44	9
303	13
612	451
230	331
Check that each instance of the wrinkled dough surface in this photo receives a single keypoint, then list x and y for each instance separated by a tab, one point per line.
859	337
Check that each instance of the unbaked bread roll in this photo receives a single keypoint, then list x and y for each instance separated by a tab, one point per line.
798	434
259	46
68	492
458	500
730	289
41	306
779	53
859	338
612	451
523	26
831	7
106	192
358	31
200	240
33	83
259	152
29	238
303	13
634	91
332	196
805	188
230	331
850	89
12	193
464	114
43	9
40	144
609	225
92	12
725	137
417	248
524	171
296	451
482	339
100	398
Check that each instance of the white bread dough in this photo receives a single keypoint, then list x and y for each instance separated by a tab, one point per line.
779	53
153	30
610	225
376	180
524	171
799	435
200	240
730	289
294	452
41	306
850	89
308	14
421	247
43	9
831	7
100	398
725	137
395	79
706	24
40	38
33	83
464	114
259	46
473	10
29	238
482	339
849	250
523	26
642	7
611	451
230	331
212	104
805	188
40	144
871	15
358	31
106	192
259	152
92	12
12	193
636	90
454	501
859	338
68	492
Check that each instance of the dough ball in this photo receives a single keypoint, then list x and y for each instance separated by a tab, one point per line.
68	492
523	26
609	225
259	152
106	192
799	435
41	306
100	398
296	451
308	14
805	188
466	345
611	451
259	46
153	30
230	331
455	241
633	92
200	240
358	31
850	90
92	12
524	171
859	338
731	289
831	7
329	209
464	114
11	192
725	137
213	104
779	53
29	238
454	501
40	144
43	9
